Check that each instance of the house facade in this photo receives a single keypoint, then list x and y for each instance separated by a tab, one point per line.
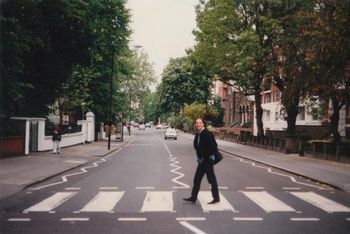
239	110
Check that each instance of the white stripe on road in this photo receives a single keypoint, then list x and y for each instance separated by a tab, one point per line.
267	202
73	188
205	196
255	188
103	202
51	202
158	201
304	219
75	219
191	227
144	188
19	219
108	188
321	202
132	219
191	219
248	219
291	188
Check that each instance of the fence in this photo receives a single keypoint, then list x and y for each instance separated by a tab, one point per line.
276	140
12	139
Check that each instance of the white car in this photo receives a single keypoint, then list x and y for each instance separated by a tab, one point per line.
159	126
142	127
170	133
148	125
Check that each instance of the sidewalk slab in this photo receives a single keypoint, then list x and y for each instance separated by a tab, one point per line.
335	174
16	173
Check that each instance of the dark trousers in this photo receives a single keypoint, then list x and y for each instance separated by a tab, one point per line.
206	167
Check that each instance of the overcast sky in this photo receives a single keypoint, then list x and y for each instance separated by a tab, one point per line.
163	28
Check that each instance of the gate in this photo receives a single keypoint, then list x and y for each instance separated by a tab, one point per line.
34	136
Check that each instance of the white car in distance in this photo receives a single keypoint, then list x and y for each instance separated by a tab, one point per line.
170	133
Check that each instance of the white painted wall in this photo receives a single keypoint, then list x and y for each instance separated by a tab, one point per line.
277	122
45	142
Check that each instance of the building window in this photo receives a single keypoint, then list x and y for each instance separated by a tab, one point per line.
277	116
301	115
266	115
267	98
277	97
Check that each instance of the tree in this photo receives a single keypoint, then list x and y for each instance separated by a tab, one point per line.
107	27
198	110
148	107
137	80
181	83
41	43
329	62
234	41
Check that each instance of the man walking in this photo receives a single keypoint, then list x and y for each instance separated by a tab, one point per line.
205	146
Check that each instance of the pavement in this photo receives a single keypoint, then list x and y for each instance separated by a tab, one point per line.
17	173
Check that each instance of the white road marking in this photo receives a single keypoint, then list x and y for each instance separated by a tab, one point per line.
51	202
19	220
83	170
64	178
223	188
108	188
103	202
177	167
75	219
191	219
267	202
255	188
348	219
158	201
191	227
304	219
144	188
248	219
205	196
175	171
73	188
132	219
74	161
280	174
291	188
321	202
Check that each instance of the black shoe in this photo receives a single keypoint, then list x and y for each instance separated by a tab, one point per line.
216	200
190	199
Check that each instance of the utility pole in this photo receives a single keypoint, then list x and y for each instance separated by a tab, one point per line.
110	100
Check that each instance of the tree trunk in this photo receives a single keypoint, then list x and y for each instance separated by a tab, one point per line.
259	113
291	139
292	112
335	119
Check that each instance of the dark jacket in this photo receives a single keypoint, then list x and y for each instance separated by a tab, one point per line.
207	145
56	135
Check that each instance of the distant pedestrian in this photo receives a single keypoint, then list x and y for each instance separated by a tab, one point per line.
56	139
205	146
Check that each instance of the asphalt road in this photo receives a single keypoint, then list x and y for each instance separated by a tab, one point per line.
139	189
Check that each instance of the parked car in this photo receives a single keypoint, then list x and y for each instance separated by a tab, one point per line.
136	125
159	126
170	133
148	125
142	127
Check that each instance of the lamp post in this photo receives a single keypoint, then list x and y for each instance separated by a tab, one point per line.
82	109
110	100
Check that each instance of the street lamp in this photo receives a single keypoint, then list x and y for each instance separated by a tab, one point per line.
82	109
110	99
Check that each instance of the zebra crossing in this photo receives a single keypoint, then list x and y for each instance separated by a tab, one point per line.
163	201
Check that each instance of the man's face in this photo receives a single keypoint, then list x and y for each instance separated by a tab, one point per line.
199	124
